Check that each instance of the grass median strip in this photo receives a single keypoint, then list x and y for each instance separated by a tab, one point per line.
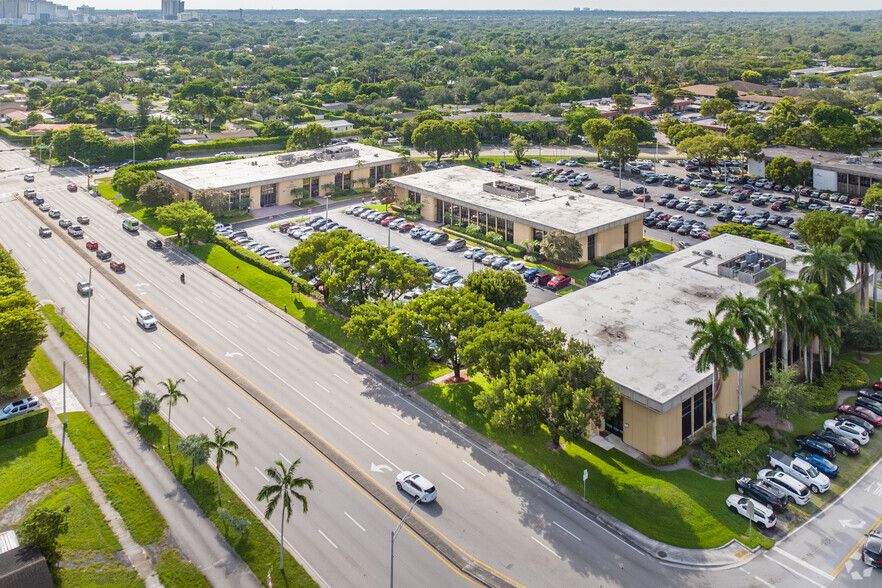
43	371
174	571
257	546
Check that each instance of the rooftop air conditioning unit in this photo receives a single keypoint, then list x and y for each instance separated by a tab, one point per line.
853	159
752	257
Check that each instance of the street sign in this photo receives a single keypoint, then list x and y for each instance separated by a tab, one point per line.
584	475
750	517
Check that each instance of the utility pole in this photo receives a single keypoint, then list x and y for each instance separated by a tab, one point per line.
88	328
394	533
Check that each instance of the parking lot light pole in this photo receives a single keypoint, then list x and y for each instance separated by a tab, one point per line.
392	551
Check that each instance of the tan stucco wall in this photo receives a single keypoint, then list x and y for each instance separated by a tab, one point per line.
522	233
651	432
635	232
180	194
728	399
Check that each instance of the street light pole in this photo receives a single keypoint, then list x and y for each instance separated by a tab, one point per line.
133	150
392	551
88	331
63	407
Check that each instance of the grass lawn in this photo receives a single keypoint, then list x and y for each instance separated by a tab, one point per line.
873	368
29	461
133	207
44	372
104	575
688	509
173	571
278	292
660	246
122	489
87	531
581	274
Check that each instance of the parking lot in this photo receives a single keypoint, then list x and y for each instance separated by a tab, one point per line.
437	254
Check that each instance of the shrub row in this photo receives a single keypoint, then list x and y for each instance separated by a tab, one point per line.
852	377
24	424
267	266
671	459
735	447
230	144
842	376
158	165
509	248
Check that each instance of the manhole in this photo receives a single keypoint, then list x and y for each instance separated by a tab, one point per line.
663	554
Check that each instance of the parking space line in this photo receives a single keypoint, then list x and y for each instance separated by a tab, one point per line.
452	480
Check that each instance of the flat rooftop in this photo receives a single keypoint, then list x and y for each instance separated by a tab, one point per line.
545	207
636	320
272	169
829	160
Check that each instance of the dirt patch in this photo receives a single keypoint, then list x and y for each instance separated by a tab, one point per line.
15	511
455	380
766	417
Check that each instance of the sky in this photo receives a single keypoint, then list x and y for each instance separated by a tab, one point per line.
637	5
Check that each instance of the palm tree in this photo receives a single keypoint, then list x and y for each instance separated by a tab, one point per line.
863	241
132	377
222	447
283	488
716	347
779	293
753	321
172	396
812	317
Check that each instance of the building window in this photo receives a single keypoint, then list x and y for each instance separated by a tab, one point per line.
538	235
338	181
413	196
626	237
347	180
709	404
373	174
698	403
591	249
687	417
268	195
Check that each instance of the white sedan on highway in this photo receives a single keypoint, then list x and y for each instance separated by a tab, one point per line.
417	486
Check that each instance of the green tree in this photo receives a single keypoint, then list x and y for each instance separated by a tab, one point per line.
173	394
779	293
642	128
367	324
705	147
863	241
783	170
34	118
187	219
715	346
264	110
620	145
504	290
561	247
812	317
753	77
624	103
438	136
727	93
84	143
751	322
156	193
715	106
127	181
863	333
215	201
822	227
147	406
222	447
825	115
133	378
41	529
193	448
283	488
490	348
144	106
292	112
575	118
663	98
640	255
596	130
410	93
408	343
783	394
312	136
384	191
518	146
275	128
872	197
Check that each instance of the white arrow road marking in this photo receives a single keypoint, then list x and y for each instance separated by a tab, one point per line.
546	547
849	525
380	468
452	480
328	539
232	354
354	521
473	467
378	426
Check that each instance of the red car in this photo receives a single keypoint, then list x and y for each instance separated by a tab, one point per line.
559	281
862	413
91	245
385	222
683	187
405	227
71	187
877	385
644	198
663	216
117	266
705	236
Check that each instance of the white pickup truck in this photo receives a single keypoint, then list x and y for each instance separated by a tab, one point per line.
801	470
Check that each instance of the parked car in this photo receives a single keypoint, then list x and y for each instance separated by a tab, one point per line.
439	239
417	233
847	430
456	244
871	550
800	469
816	446
869	404
861	423
515	266
559	281
600	274
543	278
796	491
762	515
837	442
821	463
19	407
862	413
530	274
622	266
500	262
766	494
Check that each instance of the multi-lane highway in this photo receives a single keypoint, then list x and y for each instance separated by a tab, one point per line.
486	507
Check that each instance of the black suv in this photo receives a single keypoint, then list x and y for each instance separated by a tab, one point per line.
769	495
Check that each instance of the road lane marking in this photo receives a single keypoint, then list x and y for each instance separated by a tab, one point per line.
216	295
473	467
354	521
234	414
805	564
257	469
838	568
199	300
155	344
286	459
101	296
105	324
292	346
341	379
758	579
546	547
328	539
558	525
135	352
62	280
254	320
322	387
232	323
43	259
209	424
378	426
401	419
192	377
792	571
452	480
270	349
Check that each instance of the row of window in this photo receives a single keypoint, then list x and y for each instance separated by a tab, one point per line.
455	214
854	184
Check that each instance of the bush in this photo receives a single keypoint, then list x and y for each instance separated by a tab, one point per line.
267	266
534	257
671	459
736	447
851	377
230	144
515	250
825	393
24	424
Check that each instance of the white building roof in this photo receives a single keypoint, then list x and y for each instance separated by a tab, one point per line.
636	320
272	169
543	207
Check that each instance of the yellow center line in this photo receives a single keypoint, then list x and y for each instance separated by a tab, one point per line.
857	545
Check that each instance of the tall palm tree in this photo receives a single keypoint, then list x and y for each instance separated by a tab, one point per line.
812	316
172	395
133	377
779	293
283	487
222	447
716	347
753	323
864	242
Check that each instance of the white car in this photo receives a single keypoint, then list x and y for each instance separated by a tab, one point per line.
417	486
762	515
146	320
19	407
796	491
600	274
306	232
443	273
472	251
847	430
516	266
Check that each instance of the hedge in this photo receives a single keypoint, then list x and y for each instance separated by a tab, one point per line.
842	376
735	446
510	248
671	459
17	138
230	143
24	424
852	377
264	264
158	165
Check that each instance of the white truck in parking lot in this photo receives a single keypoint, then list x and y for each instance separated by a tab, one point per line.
801	470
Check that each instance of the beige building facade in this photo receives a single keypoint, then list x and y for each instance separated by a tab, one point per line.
520	210
288	178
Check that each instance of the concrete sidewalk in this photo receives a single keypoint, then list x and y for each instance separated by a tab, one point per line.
190	531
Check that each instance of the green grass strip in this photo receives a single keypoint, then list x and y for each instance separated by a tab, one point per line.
174	572
43	371
87	531
29	461
104	575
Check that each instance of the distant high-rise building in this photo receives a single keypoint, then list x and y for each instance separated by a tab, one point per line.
171	9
